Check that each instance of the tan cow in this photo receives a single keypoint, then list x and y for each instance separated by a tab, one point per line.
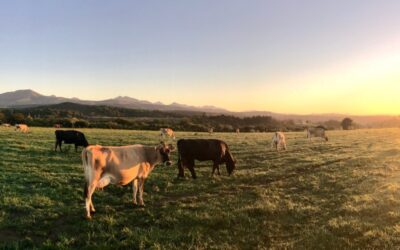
210	130
167	132
120	166
22	127
237	131
278	141
6	125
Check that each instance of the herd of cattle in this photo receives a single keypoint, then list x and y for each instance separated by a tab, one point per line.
121	165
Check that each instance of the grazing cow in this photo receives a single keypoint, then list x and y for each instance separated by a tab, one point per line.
316	132
204	150
70	137
6	125
120	166
57	125
278	141
22	127
167	132
210	130
237	131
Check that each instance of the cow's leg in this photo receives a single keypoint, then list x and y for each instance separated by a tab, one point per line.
85	191
213	170
191	168
135	189
92	210
215	167
60	144
92	185
141	189
55	148
284	146
181	167
88	200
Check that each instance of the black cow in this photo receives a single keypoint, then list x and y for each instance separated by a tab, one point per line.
204	150
70	137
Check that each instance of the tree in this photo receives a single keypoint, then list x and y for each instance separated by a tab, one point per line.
18	118
347	123
2	117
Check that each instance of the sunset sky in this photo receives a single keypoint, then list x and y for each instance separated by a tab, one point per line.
306	56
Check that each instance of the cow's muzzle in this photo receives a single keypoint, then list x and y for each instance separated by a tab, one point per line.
168	163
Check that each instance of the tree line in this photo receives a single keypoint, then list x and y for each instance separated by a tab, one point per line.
71	115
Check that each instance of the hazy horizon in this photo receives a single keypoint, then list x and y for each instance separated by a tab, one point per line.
307	57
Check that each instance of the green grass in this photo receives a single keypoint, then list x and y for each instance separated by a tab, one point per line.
341	194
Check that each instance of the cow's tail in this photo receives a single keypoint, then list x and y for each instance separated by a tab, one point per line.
86	162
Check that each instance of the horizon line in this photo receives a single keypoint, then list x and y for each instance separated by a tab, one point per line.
202	106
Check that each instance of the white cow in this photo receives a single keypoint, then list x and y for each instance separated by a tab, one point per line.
278	141
167	132
316	132
120	166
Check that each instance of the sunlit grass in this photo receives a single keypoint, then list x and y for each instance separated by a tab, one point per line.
341	194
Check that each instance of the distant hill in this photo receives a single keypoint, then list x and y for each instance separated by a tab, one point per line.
100	111
29	98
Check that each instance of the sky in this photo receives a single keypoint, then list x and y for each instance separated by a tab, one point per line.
294	56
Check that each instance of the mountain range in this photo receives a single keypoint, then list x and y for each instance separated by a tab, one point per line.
29	98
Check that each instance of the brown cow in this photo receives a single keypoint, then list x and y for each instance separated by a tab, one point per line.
204	150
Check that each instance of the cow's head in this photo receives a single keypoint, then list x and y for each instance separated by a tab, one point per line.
165	150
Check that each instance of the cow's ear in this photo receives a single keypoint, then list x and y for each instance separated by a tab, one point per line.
171	147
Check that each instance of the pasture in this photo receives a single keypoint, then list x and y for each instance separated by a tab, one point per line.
344	193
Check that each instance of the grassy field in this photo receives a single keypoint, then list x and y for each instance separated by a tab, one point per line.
340	194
